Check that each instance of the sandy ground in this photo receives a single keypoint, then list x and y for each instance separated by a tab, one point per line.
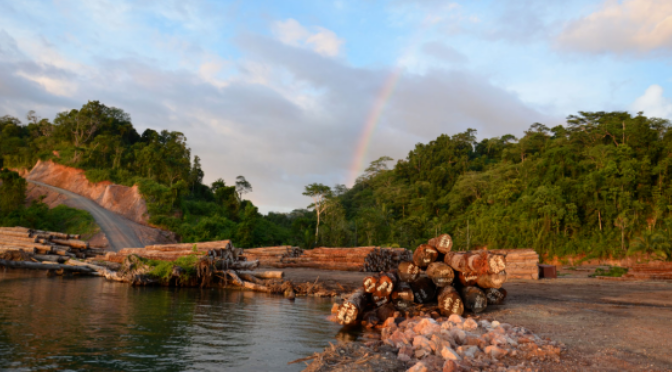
607	325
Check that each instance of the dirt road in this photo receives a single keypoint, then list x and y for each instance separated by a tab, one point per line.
119	230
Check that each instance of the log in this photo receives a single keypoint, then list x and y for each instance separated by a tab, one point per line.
27	245
424	255
443	243
265	274
15	234
222	244
456	260
352	308
14	239
403	292
386	311
240	265
408	271
385	285
39	266
50	257
15	229
96	268
10	248
450	302
370	283
468	278
474	299
495	296
78	244
379	300
440	273
61	251
491	280
241	283
424	290
54	234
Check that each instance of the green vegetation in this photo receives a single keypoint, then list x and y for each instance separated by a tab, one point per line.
613	271
13	211
597	185
163	270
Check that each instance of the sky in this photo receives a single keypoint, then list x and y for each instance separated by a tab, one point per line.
289	93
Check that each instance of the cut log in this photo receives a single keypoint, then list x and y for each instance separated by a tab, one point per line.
54	234
385	311
403	292
424	255
468	278
408	272
440	273
61	251
50	257
78	244
491	280
474	299
424	290
265	274
27	245
456	260
443	243
15	229
352	308
495	296
39	266
99	269
386	284
11	248
241	283
15	234
370	283
450	302
222	244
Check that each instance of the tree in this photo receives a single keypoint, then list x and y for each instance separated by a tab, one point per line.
319	193
242	187
12	192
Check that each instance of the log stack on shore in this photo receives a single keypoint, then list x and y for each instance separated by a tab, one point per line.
651	271
271	256
437	281
520	263
47	244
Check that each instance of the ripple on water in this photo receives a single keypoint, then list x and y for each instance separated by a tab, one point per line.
84	324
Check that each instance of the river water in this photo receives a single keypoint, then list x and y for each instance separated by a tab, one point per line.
90	324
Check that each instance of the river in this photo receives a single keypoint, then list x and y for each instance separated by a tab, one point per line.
90	324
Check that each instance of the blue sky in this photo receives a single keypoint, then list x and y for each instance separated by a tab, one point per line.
279	91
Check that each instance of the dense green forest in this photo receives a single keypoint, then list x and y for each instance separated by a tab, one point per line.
103	141
596	185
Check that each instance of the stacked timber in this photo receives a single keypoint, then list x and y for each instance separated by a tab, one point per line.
437	281
45	243
271	256
222	251
343	259
651	271
386	259
520	263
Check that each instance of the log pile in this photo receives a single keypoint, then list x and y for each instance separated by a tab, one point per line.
343	259
651	271
45	243
437	281
220	250
271	256
385	259
520	263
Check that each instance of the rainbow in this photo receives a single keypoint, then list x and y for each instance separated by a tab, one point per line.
372	120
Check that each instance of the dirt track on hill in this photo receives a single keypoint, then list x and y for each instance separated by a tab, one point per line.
119	230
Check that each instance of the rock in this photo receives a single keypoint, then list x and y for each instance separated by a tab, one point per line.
450	366
470	324
495	351
422	345
484	324
405	353
468	351
427	326
433	363
449	354
494	324
458	335
418	367
456	319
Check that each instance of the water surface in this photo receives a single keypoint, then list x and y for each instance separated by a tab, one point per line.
90	324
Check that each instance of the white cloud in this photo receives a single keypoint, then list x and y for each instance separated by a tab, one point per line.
653	103
321	40
627	27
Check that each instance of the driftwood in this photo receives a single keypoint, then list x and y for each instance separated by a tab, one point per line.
264	274
40	266
241	283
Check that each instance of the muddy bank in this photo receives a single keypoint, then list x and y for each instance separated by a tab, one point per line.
123	200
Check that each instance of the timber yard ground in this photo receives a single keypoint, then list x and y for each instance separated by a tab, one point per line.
607	325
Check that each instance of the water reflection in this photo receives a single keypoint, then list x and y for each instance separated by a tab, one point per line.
91	324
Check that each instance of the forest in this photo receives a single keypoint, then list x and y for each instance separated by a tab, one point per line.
596	185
